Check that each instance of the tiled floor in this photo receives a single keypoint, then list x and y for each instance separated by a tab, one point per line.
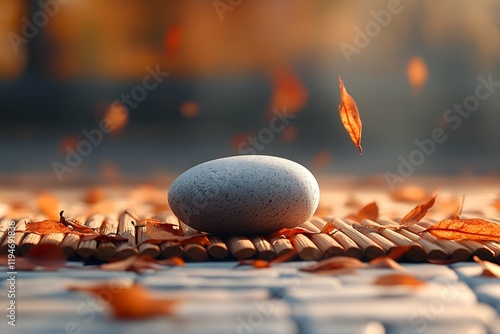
219	298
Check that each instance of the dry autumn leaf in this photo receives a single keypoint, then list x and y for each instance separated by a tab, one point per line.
389	260
287	233
329	228
369	211
139	263
48	204
490	269
259	264
349	115
156	229
130	302
419	212
335	263
48	256
470	229
399	279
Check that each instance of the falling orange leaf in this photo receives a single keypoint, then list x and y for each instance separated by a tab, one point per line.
349	115
419	212
288	90
116	117
410	193
490	269
48	204
129	302
470	229
68	144
173	39
370	211
334	264
417	73
189	109
398	279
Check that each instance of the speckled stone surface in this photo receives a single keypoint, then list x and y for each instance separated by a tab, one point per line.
244	195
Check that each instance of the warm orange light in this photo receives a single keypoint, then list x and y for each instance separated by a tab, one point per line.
417	73
116	117
288	91
189	109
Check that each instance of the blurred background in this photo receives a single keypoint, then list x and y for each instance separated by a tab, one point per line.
182	82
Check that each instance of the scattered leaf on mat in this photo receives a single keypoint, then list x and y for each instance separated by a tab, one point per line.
329	228
133	302
369	211
419	212
398	279
286	233
349	115
334	263
156	229
471	229
490	269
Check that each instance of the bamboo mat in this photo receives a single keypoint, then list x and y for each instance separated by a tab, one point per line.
349	238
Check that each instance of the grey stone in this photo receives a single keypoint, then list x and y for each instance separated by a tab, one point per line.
244	195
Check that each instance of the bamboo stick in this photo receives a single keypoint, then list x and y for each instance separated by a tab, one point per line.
351	249
377	238
193	251
170	248
416	253
327	245
265	250
88	248
432	250
4	225
126	229
371	249
217	248
241	247
282	246
452	248
306	249
144	247
106	250
18	236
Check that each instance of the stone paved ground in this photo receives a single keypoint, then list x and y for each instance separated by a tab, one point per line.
219	298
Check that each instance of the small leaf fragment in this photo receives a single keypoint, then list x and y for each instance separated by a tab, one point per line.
471	229
419	212
129	302
349	116
334	263
399	279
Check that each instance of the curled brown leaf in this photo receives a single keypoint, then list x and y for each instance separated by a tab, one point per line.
369	211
